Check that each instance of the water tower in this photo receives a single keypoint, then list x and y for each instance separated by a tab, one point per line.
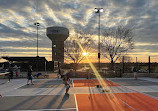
57	35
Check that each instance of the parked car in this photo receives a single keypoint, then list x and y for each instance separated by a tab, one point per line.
142	70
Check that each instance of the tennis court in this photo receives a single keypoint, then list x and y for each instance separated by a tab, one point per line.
124	94
127	101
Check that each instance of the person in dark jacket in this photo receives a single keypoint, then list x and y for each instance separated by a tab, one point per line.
10	75
135	72
29	75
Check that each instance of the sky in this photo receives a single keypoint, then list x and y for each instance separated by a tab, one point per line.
18	32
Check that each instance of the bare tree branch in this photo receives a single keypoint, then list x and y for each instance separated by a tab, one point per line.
116	42
72	49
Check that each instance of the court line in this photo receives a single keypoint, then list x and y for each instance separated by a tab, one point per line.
135	92
149	79
127	104
20	86
76	102
48	109
121	99
150	95
138	91
115	96
44	83
143	93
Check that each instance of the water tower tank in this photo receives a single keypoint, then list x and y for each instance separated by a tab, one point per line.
57	35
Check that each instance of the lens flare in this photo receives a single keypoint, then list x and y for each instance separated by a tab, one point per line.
99	78
85	53
105	88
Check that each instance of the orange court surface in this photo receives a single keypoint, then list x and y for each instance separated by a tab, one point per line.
116	102
92	83
132	101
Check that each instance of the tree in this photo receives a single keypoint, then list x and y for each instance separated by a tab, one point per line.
73	52
115	42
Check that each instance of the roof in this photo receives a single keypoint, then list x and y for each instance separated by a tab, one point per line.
25	58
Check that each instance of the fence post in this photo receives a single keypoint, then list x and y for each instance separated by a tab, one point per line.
149	65
123	64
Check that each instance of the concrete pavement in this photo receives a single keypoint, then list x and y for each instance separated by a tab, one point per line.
49	94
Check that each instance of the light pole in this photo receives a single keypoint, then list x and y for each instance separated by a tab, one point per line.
98	10
37	25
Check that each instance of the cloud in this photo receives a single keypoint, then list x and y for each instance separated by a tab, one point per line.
18	16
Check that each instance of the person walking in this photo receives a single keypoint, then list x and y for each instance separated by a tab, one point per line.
29	75
10	75
135	72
